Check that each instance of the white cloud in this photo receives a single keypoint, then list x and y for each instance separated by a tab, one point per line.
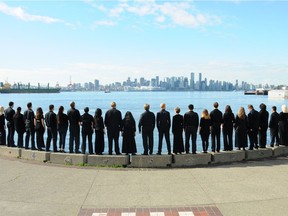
103	23
19	13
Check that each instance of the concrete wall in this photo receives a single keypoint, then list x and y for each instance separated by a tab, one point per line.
108	160
10	152
258	154
280	150
35	155
229	156
151	161
187	160
68	159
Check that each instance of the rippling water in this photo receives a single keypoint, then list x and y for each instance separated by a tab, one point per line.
134	101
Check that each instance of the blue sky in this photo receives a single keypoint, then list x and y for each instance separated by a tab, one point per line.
49	41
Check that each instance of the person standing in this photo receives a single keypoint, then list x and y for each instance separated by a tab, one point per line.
29	125
283	125
227	127
99	132
163	122
216	118
2	127
191	123
204	129
113	123
253	127
177	130
51	123
9	114
62	126
241	123
19	126
273	125
147	125
87	122
263	125
74	128
128	133
39	128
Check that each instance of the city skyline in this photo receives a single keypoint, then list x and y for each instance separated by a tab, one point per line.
45	42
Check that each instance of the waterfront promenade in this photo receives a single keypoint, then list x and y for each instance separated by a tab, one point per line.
241	188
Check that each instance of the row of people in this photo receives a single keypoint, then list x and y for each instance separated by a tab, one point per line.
255	125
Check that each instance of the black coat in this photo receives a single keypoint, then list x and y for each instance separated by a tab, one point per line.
253	120
205	125
216	117
62	122
228	121
74	117
19	123
163	120
129	129
283	128
177	130
191	119
241	132
87	122
113	120
263	119
147	121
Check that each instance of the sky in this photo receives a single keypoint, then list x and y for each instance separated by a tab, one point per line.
83	40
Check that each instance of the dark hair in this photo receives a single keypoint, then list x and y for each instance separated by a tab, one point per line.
190	107
18	109
216	104
98	113
11	103
228	109
274	108
86	109
51	107
60	110
29	105
128	116
250	106
262	106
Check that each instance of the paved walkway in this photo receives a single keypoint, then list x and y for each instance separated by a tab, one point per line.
248	188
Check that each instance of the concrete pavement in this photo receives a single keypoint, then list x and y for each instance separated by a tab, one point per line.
242	188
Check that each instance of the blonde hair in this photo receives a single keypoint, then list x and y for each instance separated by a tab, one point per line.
162	105
1	110
241	113
113	104
284	108
205	114
177	109
146	107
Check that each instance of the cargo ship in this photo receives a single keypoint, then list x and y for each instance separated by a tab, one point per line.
27	89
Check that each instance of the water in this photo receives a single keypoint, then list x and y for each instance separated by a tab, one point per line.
134	101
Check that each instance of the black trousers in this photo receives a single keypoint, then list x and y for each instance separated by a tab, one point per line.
20	142
227	138
167	138
51	135
205	142
39	138
74	137
262	137
113	135
215	135
253	138
190	131
62	139
148	141
11	132
30	132
274	136
84	137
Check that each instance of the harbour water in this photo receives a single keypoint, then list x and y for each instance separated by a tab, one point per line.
134	101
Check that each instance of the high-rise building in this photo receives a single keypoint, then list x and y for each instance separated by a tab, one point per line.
157	81
96	85
192	81
200	81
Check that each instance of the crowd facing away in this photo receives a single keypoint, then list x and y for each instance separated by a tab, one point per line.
252	127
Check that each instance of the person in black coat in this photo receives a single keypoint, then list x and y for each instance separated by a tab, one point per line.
273	125
74	128
227	128
39	128
177	130
216	118
87	122
113	123
241	123
128	133
191	123
99	132
253	127
9	114
19	126
2	127
62	127
51	123
147	125
283	126
29	126
204	129
163	122
263	125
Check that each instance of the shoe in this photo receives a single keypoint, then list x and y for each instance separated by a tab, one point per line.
34	149
119	153
78	152
144	154
71	152
133	153
40	149
169	153
194	153
158	153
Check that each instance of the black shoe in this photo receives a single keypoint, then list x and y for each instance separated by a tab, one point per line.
158	153
118	153
169	153
40	149
78	152
110	153
33	148
144	154
71	152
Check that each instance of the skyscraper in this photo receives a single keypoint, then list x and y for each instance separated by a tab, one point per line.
192	81
200	81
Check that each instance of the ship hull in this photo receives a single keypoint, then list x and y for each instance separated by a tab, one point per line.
30	91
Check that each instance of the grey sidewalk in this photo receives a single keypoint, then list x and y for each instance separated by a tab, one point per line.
250	188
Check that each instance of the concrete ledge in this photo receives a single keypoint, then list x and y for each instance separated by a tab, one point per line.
108	160
280	150
188	160
258	154
69	159
228	156
35	155
11	152
151	161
